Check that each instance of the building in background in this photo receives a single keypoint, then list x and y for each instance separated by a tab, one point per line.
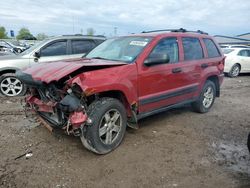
243	39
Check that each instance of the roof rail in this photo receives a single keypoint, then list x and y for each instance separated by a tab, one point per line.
160	30
176	30
84	35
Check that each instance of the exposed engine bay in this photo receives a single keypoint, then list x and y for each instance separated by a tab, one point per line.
64	110
61	107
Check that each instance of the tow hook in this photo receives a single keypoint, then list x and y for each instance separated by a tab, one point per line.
80	131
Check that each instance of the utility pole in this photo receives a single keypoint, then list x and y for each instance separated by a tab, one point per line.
73	24
115	31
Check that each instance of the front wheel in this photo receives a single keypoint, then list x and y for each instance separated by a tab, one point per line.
11	86
206	98
108	127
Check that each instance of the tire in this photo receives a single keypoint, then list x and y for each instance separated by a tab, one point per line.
10	86
206	98
248	142
235	71
103	135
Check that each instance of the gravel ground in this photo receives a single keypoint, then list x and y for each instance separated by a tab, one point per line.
178	148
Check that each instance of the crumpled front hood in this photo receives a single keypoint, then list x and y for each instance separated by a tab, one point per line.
54	71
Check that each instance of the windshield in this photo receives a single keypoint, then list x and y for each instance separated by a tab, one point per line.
227	51
36	45
120	49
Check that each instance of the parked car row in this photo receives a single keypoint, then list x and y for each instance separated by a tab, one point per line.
11	47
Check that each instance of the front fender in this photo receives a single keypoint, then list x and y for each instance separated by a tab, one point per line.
8	69
120	78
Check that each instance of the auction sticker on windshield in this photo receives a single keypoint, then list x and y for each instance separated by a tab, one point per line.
138	43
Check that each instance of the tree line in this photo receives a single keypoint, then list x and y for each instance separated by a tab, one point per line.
25	34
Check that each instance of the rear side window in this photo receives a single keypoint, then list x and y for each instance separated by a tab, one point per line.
192	48
82	46
169	46
245	53
212	50
54	49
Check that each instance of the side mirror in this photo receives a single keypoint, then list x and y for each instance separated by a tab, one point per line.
37	54
156	59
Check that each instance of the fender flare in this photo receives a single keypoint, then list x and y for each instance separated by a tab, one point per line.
8	69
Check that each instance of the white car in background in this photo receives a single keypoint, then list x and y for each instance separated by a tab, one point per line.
237	61
234	46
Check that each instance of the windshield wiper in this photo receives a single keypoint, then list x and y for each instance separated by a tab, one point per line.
99	58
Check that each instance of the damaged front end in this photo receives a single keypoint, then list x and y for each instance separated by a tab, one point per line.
58	105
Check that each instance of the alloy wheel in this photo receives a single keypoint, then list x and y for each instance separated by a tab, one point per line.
208	97
110	126
235	71
11	86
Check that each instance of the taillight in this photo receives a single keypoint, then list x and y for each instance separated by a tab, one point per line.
221	64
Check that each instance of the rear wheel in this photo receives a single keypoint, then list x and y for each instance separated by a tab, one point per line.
235	71
108	126
10	86
206	98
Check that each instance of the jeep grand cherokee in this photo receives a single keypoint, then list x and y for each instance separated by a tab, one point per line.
123	80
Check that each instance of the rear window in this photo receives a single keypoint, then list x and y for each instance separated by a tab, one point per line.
192	48
212	50
227	51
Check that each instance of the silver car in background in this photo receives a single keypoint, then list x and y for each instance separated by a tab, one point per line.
52	49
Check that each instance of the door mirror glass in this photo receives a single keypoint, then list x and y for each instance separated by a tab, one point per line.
156	59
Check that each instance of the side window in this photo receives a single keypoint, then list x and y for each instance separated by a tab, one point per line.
168	46
192	48
54	49
212	50
245	53
82	46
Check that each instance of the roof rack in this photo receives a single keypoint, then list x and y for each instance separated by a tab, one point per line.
176	30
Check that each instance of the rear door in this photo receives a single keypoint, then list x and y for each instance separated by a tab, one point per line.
79	47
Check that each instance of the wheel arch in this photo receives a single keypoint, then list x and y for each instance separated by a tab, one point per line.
8	70
215	80
119	95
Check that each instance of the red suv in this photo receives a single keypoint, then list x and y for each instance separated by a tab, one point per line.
123	80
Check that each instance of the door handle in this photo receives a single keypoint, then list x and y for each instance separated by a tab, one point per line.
176	70
204	65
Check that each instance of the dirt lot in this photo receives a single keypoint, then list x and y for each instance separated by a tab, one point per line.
178	148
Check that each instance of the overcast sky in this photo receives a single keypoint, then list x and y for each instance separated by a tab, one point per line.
56	17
